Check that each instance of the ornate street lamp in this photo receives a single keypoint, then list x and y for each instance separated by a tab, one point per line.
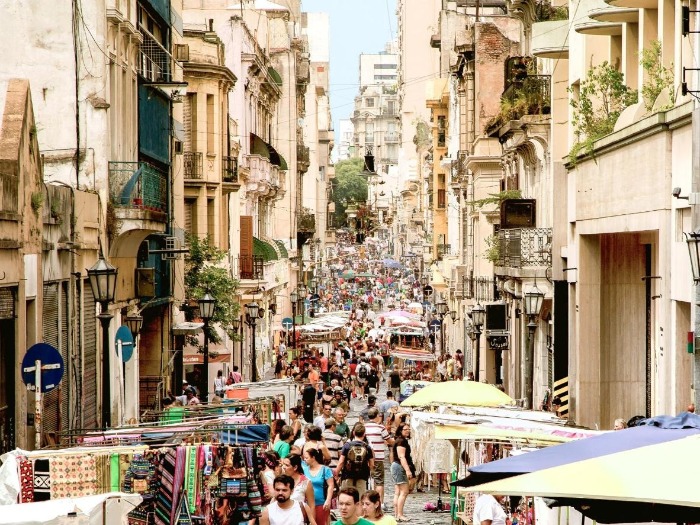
253	312
532	303
103	282
135	323
478	315
236	325
441	309
294	297
206	312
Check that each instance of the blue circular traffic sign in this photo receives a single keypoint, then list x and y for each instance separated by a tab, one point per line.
127	341
51	366
435	323
287	323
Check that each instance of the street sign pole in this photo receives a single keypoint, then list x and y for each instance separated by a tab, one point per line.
37	404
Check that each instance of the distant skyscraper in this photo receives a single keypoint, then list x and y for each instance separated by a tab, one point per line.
379	68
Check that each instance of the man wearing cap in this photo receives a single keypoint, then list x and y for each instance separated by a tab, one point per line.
371	402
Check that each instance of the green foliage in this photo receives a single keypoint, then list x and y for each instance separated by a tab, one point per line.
496	198
547	12
658	77
603	95
493	249
306	221
37	202
202	275
528	97
348	186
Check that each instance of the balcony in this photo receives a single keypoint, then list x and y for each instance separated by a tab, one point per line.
155	61
249	267
525	247
595	19
550	39
443	250
192	165
369	138
391	136
529	95
138	185
229	169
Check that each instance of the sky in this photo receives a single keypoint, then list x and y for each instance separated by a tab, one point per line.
356	26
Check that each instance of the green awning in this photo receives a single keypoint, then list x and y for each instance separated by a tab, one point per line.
275	75
264	250
259	147
282	249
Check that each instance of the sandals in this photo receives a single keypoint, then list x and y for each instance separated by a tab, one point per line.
403	519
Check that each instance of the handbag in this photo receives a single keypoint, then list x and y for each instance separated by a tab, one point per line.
254	496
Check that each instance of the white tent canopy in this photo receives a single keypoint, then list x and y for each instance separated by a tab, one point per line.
110	509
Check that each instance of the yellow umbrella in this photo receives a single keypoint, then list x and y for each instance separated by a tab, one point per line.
665	474
458	393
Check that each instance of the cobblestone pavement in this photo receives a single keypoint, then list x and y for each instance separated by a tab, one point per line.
415	502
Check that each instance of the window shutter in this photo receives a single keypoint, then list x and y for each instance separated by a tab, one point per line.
246	253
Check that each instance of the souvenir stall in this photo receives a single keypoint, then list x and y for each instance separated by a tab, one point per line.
187	472
449	439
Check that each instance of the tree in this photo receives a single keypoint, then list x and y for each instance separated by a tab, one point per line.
349	185
202	275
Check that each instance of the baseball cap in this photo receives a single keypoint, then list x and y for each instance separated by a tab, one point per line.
371	398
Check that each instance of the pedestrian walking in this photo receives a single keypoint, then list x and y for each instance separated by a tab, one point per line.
321	478
378	438
356	461
402	470
284	510
302	490
372	509
349	508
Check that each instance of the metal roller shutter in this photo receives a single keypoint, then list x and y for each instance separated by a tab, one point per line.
52	400
89	352
66	346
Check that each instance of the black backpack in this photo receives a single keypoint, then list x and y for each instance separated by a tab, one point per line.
362	372
357	458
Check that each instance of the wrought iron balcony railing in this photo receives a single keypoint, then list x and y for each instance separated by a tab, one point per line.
391	136
530	95
192	162
250	266
229	169
138	185
155	61
523	247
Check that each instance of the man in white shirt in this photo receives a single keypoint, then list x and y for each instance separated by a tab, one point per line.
378	437
488	510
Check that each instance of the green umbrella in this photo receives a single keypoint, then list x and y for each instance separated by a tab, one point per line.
348	274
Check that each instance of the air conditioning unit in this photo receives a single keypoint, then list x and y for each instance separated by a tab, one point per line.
181	52
171	243
145	282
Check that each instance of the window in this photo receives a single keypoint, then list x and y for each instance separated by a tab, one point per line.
442	131
191	216
369	102
211	150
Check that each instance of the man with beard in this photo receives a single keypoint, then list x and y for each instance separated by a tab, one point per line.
283	510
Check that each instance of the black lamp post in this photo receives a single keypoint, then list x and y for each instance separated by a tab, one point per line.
253	312
134	322
478	318
532	302
441	309
294	297
236	326
103	282
206	312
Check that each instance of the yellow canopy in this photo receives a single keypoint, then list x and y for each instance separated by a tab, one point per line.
477	431
458	393
664	473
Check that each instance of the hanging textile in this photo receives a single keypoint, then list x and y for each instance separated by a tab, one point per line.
73	476
42	480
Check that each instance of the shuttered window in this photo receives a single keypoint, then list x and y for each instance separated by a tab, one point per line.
52	400
246	253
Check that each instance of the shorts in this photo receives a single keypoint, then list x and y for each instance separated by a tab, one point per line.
398	474
378	472
359	484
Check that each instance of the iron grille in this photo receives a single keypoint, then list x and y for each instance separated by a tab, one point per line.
522	247
7	303
230	169
534	90
155	62
192	162
250	266
138	185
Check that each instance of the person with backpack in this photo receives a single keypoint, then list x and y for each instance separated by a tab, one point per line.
363	371
356	461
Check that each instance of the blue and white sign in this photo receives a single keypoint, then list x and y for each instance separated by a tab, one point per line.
52	367
126	340
287	323
434	325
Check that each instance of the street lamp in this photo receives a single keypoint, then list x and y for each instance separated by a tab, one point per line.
236	326
532	302
134	322
478	317
206	312
253	312
424	281
103	282
294	297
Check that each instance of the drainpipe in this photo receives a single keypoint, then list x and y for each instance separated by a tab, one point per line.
695	205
